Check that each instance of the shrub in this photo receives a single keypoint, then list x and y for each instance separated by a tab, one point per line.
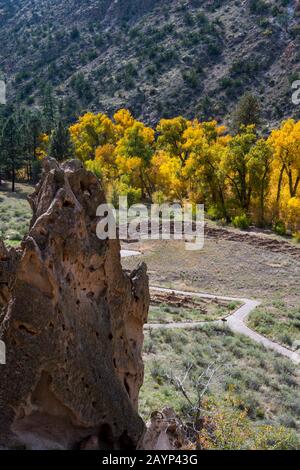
158	373
133	194
190	77
14	236
225	429
81	86
214	49
296	236
257	7
285	338
214	213
241	221
279	228
158	197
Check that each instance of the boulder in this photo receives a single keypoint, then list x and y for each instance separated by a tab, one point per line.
72	322
165	431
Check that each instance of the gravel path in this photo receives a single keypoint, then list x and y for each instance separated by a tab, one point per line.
236	321
129	253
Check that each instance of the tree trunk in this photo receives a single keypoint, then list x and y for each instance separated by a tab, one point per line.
262	207
223	205
13	179
295	188
262	197
279	185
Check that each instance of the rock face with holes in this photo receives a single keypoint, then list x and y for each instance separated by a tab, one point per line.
72	322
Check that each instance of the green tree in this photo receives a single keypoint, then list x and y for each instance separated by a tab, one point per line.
137	143
11	149
171	136
238	166
61	147
247	112
49	109
260	161
31	129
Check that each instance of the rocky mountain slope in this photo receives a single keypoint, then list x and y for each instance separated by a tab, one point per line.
194	57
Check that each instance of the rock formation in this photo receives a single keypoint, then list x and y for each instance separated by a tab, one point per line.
72	322
165	431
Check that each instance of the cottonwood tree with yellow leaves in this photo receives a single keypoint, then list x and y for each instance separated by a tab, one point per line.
285	143
234	175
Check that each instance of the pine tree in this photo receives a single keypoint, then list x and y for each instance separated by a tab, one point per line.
11	149
32	128
247	112
61	147
49	105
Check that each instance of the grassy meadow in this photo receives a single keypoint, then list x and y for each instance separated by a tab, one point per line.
15	213
250	381
235	269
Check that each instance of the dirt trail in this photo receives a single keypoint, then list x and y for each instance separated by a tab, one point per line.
236	321
259	240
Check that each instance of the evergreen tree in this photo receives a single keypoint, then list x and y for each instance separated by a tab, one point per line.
11	148
61	147
32	128
49	109
247	112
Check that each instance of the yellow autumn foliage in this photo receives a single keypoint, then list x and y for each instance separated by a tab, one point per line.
233	175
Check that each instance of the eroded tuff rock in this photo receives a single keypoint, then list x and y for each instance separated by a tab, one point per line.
72	322
165	431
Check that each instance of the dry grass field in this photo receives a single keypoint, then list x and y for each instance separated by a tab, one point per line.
15	212
232	268
262	383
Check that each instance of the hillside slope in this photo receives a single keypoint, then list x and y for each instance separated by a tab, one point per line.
194	57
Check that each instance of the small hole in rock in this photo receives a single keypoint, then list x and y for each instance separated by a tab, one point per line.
127	387
68	204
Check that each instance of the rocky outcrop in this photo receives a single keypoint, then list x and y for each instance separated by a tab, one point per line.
165	431
72	322
8	264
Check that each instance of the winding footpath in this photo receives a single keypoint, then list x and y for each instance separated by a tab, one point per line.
236	322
